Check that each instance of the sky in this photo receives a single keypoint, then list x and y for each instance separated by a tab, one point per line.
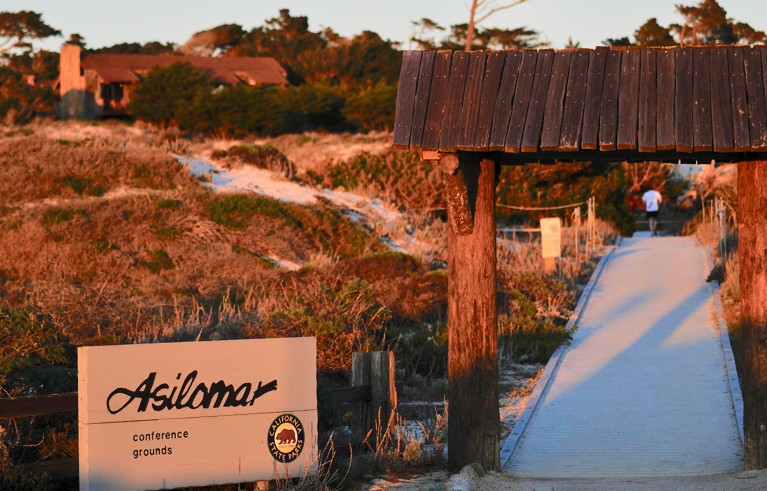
107	22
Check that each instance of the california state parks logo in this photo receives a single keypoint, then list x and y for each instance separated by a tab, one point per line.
286	438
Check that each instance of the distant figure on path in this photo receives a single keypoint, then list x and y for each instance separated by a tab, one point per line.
652	200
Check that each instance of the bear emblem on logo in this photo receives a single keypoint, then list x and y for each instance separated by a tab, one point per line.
286	436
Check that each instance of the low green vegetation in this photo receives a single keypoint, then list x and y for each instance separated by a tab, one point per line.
158	260
168	204
237	210
189	104
55	216
262	156
83	186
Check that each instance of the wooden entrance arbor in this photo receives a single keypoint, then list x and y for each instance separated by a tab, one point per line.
471	112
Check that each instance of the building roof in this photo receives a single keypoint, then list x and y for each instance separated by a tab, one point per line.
226	70
627	104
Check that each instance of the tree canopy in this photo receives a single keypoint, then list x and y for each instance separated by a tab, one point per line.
215	41
704	23
148	48
425	34
19	29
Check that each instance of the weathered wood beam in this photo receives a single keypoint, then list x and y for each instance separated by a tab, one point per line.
19	407
473	425
752	251
460	177
671	157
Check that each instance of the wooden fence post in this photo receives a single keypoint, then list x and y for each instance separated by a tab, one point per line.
577	223
752	252
473	415
375	369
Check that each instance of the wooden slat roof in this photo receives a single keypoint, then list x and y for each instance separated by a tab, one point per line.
627	104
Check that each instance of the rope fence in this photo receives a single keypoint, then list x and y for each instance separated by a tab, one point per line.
575	219
542	208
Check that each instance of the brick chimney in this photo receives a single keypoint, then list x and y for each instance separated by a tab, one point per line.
70	75
75	100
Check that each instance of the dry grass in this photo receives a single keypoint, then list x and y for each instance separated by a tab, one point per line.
313	151
400	177
308	151
36	169
118	241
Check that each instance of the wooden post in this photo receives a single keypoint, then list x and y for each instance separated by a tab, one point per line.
377	370
473	416
577	220
752	250
383	390
361	417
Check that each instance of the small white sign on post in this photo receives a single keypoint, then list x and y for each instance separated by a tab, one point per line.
191	414
551	237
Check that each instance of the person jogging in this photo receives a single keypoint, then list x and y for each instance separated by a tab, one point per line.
652	200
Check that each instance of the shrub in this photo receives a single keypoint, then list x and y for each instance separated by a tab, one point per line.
236	210
263	157
381	266
530	342
313	107
236	111
83	185
103	245
21	102
167	204
14	477
159	260
344	317
523	334
240	110
78	185
566	183
372	108
165	232
54	216
401	175
422	348
163	96
35	359
532	315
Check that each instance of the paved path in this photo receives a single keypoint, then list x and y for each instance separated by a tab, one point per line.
643	390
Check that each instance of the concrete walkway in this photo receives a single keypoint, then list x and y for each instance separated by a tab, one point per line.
644	389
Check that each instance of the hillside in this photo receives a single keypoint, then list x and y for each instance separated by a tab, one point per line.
106	216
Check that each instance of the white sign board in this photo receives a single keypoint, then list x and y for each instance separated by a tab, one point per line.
551	237
190	414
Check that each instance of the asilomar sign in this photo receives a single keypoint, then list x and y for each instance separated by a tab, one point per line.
188	414
190	394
